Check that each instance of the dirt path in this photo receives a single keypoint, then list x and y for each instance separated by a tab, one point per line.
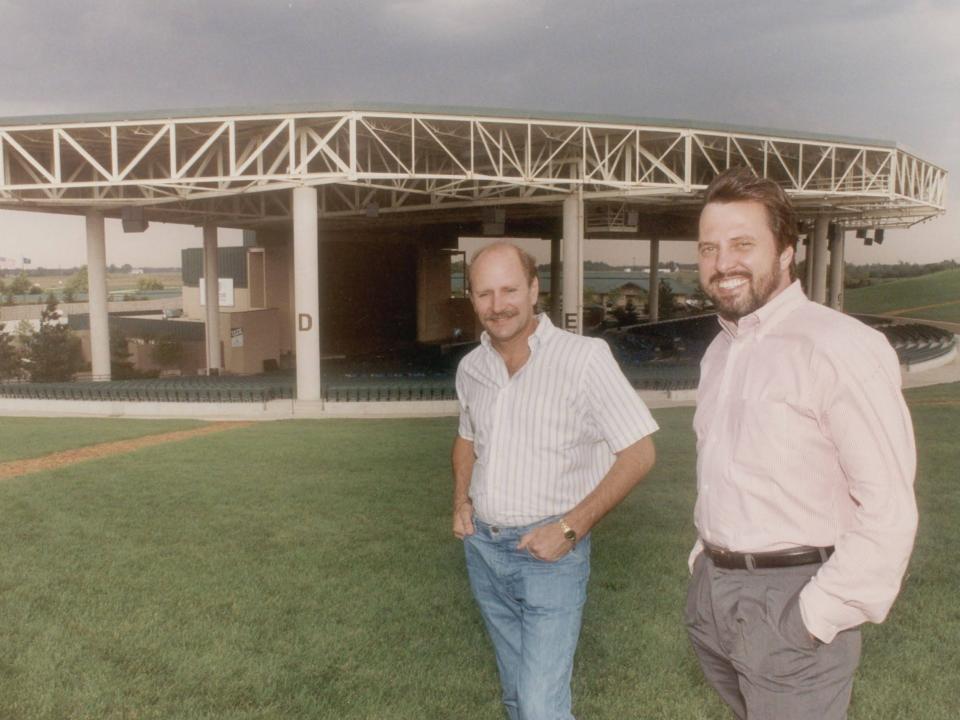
13	468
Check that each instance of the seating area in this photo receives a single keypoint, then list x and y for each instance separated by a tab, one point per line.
914	342
661	357
257	388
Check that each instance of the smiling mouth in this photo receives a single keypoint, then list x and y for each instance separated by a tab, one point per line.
731	283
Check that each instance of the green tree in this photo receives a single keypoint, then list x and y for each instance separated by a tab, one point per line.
167	352
121	367
9	356
148	283
53	351
79	282
626	314
665	296
20	285
24	331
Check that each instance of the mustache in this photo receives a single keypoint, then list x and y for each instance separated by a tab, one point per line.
503	315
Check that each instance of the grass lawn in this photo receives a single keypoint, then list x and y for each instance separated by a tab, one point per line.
941	289
306	570
32	437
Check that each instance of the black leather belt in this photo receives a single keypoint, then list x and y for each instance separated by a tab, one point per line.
803	555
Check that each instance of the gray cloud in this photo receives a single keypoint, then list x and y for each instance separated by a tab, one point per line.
883	69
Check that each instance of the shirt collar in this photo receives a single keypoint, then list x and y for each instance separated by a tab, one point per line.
765	318
545	330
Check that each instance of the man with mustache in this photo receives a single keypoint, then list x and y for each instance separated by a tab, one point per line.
552	436
805	465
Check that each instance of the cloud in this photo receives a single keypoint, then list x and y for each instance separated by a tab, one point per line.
880	68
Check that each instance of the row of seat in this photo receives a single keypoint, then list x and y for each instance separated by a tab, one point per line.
380	392
152	391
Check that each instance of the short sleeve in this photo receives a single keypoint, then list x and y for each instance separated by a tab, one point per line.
465	429
619	414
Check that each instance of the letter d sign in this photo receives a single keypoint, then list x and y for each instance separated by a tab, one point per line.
304	322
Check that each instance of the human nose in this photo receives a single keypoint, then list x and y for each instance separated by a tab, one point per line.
725	259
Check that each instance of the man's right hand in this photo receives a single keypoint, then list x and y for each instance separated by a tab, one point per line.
463	519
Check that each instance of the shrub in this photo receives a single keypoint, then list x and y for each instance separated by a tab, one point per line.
53	351
9	357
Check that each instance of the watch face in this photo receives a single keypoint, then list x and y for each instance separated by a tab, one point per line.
570	534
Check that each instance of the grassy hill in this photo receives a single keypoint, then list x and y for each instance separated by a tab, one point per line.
932	297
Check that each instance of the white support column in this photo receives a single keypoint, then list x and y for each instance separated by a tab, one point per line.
556	292
819	244
653	288
836	267
573	263
211	279
97	296
808	265
306	263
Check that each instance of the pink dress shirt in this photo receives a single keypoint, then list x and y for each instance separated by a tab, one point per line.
803	438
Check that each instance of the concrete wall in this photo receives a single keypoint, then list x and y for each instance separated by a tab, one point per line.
260	333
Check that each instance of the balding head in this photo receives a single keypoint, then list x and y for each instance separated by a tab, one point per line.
527	262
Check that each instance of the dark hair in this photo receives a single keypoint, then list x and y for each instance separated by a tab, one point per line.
527	261
740	184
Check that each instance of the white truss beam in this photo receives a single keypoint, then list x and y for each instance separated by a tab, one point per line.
408	161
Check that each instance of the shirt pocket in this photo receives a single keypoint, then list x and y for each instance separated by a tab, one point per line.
763	444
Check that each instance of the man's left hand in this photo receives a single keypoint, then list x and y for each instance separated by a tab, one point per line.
546	543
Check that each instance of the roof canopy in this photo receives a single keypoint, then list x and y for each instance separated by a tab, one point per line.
229	166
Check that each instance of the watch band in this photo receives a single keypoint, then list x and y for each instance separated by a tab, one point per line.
568	532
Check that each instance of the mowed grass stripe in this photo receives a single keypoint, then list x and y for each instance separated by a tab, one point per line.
33	437
55	460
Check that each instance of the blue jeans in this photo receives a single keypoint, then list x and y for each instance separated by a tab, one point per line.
532	610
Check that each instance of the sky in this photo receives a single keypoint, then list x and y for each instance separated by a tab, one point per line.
879	69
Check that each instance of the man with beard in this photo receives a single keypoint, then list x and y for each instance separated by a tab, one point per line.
805	465
551	438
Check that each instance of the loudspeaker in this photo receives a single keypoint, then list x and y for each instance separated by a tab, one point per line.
133	219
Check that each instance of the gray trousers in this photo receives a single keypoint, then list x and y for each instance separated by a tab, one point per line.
748	633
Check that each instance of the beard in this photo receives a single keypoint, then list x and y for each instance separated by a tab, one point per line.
759	289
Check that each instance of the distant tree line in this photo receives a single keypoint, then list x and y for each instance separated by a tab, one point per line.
112	269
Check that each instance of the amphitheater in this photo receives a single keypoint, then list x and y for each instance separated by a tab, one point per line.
362	206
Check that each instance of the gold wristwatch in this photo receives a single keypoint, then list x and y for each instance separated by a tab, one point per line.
568	532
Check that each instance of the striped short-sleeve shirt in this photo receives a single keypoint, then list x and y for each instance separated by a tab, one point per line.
546	437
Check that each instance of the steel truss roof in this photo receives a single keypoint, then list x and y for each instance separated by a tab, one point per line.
228	167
